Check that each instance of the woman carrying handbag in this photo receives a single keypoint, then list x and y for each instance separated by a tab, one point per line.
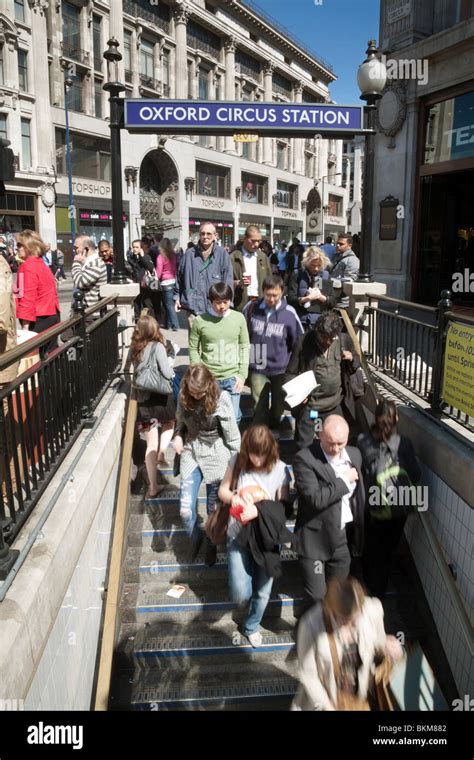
339	642
206	437
152	381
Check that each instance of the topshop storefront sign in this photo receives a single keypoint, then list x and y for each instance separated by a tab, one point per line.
217	117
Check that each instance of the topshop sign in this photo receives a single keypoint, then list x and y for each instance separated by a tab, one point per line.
219	117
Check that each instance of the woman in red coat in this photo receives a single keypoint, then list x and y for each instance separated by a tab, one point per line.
37	305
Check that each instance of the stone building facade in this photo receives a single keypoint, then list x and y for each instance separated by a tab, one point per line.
425	149
194	49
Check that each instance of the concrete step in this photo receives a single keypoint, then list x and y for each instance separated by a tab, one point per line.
144	563
142	604
206	686
159	531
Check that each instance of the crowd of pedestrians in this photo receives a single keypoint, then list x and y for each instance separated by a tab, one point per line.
256	317
259	321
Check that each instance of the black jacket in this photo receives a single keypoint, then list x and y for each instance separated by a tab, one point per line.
320	492
136	266
263	535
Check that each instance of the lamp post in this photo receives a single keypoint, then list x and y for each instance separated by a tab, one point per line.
71	210
114	87
371	78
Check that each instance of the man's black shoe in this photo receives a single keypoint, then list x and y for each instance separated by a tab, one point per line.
211	553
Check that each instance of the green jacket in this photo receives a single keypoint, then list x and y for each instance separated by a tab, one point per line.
263	270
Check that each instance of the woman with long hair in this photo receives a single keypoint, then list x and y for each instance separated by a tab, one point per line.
206	437
258	465
338	642
37	305
156	411
166	267
390	470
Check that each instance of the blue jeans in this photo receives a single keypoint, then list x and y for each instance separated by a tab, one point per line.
248	581
172	317
188	495
228	385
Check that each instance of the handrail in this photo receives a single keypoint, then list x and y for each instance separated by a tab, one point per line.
401	302
459	317
115	568
356	343
29	346
26	348
403	317
453	591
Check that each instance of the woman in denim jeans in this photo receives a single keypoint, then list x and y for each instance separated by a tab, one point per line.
166	265
257	464
206	437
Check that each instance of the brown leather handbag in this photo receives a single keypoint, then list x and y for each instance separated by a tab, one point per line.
216	524
345	701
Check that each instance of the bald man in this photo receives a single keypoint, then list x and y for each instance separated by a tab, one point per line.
330	518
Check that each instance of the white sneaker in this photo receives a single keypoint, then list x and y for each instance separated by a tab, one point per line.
255	639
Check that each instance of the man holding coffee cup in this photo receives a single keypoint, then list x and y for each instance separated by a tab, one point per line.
250	267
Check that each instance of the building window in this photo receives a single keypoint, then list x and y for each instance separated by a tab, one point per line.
74	95
165	73
254	188
282	155
249	66
309	165
147	63
23	70
71	30
127	55
334	205
212	180
3	126
25	144
190	81
281	86
203	84
97	42
156	12
90	156
199	38
287	195
20	10
98	98
448	134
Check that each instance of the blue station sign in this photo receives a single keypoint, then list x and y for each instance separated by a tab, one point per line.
219	117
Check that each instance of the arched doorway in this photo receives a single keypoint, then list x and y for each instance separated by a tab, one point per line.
159	197
313	216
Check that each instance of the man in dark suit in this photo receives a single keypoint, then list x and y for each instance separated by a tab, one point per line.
330	516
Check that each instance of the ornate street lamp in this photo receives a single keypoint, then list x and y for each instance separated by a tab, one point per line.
371	78
68	82
114	87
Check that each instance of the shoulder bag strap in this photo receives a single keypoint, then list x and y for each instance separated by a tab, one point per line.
332	647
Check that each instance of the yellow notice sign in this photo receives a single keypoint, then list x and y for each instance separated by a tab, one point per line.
458	384
245	137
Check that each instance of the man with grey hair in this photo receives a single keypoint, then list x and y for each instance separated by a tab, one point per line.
203	265
331	503
88	270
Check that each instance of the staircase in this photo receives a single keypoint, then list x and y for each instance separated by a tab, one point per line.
187	653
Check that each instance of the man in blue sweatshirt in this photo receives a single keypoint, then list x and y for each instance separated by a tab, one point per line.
274	329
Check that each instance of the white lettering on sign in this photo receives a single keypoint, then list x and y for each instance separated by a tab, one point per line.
164	113
462	135
398	9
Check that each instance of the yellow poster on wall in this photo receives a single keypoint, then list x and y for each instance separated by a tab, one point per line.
458	382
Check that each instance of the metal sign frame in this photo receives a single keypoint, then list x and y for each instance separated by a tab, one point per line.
281	121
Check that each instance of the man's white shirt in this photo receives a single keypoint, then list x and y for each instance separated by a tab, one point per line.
250	269
341	465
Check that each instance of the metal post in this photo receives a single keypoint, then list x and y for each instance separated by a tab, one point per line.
444	305
322	214
367	194
114	87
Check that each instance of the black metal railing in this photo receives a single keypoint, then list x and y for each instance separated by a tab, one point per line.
44	409
407	342
150	83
